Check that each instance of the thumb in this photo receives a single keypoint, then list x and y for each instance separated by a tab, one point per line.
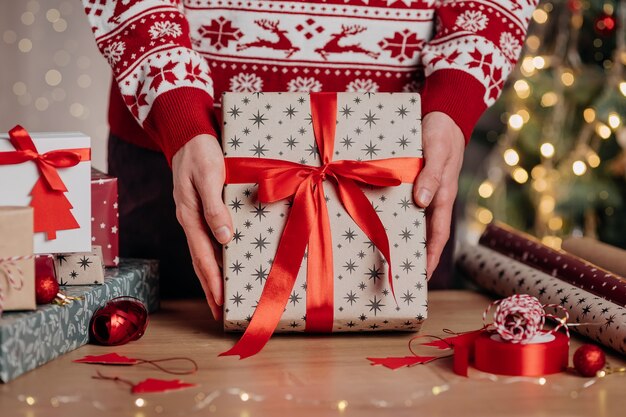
215	212
428	181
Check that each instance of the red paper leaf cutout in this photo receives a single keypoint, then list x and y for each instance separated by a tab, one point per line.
462	339
395	363
151	385
108	359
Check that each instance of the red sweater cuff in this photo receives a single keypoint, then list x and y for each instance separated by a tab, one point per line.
457	94
178	116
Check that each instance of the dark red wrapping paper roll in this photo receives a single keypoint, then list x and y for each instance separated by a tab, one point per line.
559	264
516	359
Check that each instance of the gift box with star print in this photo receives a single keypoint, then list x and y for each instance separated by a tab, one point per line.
368	127
84	268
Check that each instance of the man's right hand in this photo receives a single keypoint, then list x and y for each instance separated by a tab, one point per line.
198	171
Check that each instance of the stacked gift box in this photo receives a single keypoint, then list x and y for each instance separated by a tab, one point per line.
58	217
508	262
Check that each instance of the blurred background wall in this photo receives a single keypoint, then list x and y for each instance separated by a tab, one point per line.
52	77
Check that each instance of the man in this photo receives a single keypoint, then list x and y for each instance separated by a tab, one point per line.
172	59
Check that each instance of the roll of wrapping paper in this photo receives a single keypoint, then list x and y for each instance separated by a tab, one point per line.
560	264
605	321
606	256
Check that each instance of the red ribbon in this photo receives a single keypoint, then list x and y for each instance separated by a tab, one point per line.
308	221
47	164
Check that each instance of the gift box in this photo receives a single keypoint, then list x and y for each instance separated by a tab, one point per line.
319	188
104	216
31	339
17	270
83	268
49	172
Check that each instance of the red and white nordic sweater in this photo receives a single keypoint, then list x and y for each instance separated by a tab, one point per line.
172	59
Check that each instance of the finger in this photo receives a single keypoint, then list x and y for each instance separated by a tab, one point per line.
439	221
189	215
430	179
209	187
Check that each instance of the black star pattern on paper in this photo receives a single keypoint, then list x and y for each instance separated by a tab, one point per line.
234	142
362	286
402	111
346	111
419	317
237	299
236	204
349	235
370	119
351	297
350	266
361	254
385	292
604	311
381	137
357	100
290	111
374	273
260	243
564	300
408	297
312	149
542	290
248	255
258	119
258	149
380	106
375	305
234	112
371	150
302	131
260	274
370	245
581	300
84	263
347	142
407	266
245	100
609	321
270	230
405	203
301	100
248	287
268	106
247	224
237	236
260	211
268	138
374	326
247	192
291	142
294	298
350	324
413	131
403	142
417	223
73	274
358	130
237	267
62	282
61	259
246	131
560	291
406	234
362	317
417	254
586	310
419	286
412	100
294	324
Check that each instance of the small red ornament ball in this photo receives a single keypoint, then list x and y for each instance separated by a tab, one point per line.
588	360
46	288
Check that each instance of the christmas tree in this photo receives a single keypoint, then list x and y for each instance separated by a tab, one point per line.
558	166
52	210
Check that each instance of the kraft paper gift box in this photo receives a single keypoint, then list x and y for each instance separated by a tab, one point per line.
85	268
17	265
104	216
51	173
262	127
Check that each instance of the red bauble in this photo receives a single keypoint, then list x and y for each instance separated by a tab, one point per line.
605	25
46	288
120	321
588	360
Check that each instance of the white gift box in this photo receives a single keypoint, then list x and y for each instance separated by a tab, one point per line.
18	179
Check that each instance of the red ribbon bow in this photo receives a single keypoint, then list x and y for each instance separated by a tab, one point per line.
47	164
308	221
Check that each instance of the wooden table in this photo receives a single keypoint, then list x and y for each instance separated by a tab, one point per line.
304	376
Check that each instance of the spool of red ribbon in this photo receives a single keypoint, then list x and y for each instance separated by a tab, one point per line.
121	320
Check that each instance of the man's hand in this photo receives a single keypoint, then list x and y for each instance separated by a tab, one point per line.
437	184
198	170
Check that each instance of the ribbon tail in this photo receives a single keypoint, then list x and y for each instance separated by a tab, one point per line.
282	276
320	274
360	209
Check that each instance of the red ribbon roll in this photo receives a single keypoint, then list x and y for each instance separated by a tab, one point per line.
308	223
515	359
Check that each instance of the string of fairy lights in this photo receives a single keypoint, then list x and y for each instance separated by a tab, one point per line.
562	156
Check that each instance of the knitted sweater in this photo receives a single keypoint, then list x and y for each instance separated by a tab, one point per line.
172	59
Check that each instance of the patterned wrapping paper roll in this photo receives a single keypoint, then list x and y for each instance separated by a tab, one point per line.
560	264
606	321
606	256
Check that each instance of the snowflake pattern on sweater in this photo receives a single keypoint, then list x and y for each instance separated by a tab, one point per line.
185	53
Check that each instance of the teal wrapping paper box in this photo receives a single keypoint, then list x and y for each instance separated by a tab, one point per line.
33	338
